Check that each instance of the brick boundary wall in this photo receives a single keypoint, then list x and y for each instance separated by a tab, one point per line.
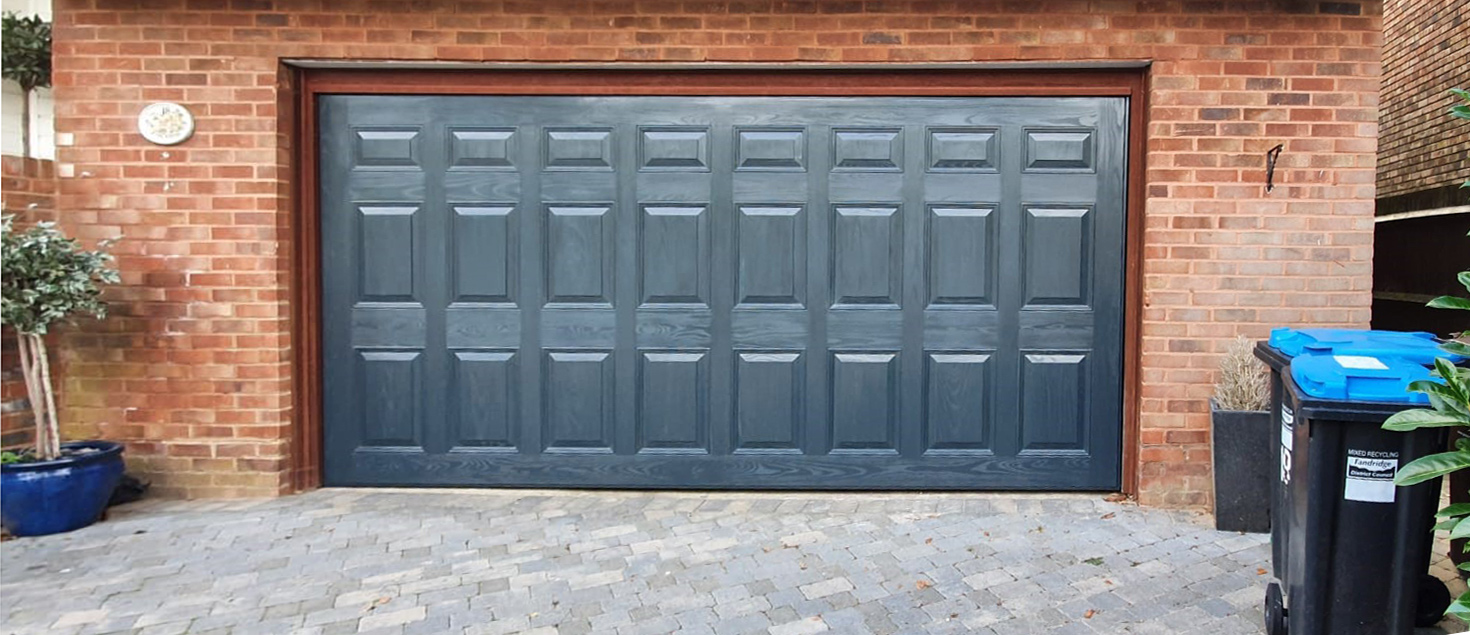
1426	52
28	192
194	369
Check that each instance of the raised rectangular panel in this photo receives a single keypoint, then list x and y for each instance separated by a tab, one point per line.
674	243
772	255
768	402
864	401
963	149
579	149
673	403
390	393
867	255
778	149
485	253
1059	150
1054	394
962	254
490	148
385	252
578	401
386	147
484	394
957	394
674	148
867	149
579	254
1058	246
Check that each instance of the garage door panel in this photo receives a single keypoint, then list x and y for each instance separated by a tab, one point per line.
675	244
579	254
386	253
482	148
864	398
769	401
673	402
771	253
1058	246
389	382
577	403
867	255
386	147
484	406
722	292
958	402
962	255
673	148
484	239
1054	409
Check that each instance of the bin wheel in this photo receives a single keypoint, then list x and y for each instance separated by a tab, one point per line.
1432	601
1275	610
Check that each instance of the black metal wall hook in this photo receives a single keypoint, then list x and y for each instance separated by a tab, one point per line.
1271	166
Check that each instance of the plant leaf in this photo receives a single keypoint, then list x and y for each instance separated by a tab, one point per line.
1461	530
1450	302
1432	466
1415	419
1454	510
1460	608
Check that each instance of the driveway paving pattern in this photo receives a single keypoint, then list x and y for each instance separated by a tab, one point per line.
486	562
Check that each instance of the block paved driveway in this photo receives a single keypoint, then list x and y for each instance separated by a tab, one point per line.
446	561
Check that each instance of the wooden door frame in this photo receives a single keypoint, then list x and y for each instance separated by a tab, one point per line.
305	456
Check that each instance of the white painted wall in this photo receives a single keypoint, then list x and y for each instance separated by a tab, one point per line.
43	120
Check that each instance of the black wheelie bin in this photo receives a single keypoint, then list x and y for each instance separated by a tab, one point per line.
1356	553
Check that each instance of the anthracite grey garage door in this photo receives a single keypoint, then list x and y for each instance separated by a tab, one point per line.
723	292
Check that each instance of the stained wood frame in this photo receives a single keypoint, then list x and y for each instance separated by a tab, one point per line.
305	456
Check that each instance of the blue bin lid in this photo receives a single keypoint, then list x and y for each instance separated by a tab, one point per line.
1359	378
1418	347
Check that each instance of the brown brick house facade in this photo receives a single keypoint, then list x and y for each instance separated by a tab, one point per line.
195	367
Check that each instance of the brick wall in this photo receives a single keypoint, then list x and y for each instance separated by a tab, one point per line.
194	368
1426	52
28	193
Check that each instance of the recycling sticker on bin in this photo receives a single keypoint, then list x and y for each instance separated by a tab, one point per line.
1370	476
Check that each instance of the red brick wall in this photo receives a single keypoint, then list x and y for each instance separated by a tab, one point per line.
1426	52
28	193
195	367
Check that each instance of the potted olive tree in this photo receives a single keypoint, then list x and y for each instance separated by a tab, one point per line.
46	278
1240	435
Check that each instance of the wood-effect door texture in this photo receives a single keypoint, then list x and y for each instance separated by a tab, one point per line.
723	292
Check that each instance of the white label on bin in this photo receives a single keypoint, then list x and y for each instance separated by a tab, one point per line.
1288	420
1358	362
1370	476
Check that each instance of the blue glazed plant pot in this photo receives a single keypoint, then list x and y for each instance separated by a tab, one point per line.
51	497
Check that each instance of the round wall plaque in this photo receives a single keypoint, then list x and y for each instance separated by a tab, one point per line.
166	123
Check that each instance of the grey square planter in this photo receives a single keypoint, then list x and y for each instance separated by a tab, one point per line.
1244	461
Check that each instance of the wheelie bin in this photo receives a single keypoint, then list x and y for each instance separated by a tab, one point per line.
1277	353
1357	547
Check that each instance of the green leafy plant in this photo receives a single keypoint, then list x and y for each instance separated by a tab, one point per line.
26	50
1449	401
46	277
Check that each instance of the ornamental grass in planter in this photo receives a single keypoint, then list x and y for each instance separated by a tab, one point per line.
47	278
1240	435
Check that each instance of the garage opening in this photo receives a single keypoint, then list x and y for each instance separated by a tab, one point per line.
722	292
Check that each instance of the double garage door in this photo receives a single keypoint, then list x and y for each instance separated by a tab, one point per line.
722	292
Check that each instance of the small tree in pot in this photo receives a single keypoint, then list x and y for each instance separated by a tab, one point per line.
1240	438
46	278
